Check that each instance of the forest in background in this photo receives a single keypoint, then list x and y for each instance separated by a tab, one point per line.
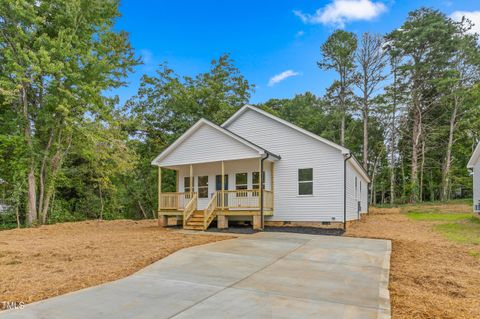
406	103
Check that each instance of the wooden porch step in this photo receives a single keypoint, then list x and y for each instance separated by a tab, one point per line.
193	227
195	222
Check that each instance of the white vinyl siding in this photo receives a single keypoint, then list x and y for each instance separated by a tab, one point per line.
476	184
207	144
354	195
297	150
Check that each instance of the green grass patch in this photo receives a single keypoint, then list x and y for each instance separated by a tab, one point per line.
464	232
441	217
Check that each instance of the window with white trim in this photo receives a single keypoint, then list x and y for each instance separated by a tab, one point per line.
305	181
186	184
202	186
241	183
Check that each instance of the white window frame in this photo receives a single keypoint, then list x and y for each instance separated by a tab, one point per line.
298	183
202	187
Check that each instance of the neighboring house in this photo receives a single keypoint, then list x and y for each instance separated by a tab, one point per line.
474	165
306	178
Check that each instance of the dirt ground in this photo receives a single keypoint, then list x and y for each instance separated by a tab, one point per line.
38	263
430	277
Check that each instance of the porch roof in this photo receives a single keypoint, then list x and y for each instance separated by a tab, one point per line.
212	139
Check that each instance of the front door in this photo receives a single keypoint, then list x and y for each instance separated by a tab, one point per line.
218	187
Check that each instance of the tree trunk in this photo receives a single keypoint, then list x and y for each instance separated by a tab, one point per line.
448	158
32	195
142	210
342	131
17	215
422	165
365	136
42	174
101	201
416	133
392	138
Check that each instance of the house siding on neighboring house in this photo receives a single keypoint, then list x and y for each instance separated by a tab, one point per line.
299	150
474	166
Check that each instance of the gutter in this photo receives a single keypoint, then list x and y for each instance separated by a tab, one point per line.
347	157
261	190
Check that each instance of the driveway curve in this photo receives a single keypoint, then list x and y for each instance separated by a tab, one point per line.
266	275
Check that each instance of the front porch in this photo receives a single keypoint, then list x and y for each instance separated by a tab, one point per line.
221	191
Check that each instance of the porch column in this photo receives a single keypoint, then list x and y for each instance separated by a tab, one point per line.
223	186
191	180
260	173
162	219
272	180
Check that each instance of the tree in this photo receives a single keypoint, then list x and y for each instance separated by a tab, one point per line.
339	55
167	104
423	42
371	59
58	59
464	73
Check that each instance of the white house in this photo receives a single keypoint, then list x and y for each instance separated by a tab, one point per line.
305	177
474	165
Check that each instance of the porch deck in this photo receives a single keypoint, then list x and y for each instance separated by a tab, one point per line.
222	204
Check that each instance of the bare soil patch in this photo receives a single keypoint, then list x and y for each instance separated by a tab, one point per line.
430	276
38	263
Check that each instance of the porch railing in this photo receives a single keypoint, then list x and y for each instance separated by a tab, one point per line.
209	212
190	208
176	201
244	198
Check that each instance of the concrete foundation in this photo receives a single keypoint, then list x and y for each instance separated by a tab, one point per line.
257	222
222	222
162	221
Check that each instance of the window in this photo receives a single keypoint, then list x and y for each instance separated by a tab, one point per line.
360	188
186	184
255	181
218	182
202	186
241	183
305	181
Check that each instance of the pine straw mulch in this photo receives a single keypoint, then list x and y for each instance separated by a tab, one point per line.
430	276
38	263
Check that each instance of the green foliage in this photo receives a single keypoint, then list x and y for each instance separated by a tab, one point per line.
87	158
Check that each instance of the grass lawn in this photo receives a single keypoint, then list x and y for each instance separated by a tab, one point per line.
465	231
435	263
38	263
440	217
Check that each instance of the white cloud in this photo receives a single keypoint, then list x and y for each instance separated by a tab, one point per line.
149	60
299	33
473	16
339	12
282	76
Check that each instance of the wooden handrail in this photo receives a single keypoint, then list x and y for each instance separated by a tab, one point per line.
209	212
190	208
244	198
174	200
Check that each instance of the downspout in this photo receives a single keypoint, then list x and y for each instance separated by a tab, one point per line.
349	155
261	189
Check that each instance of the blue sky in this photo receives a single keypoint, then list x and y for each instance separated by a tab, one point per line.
275	44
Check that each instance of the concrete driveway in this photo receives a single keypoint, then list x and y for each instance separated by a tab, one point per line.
266	275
